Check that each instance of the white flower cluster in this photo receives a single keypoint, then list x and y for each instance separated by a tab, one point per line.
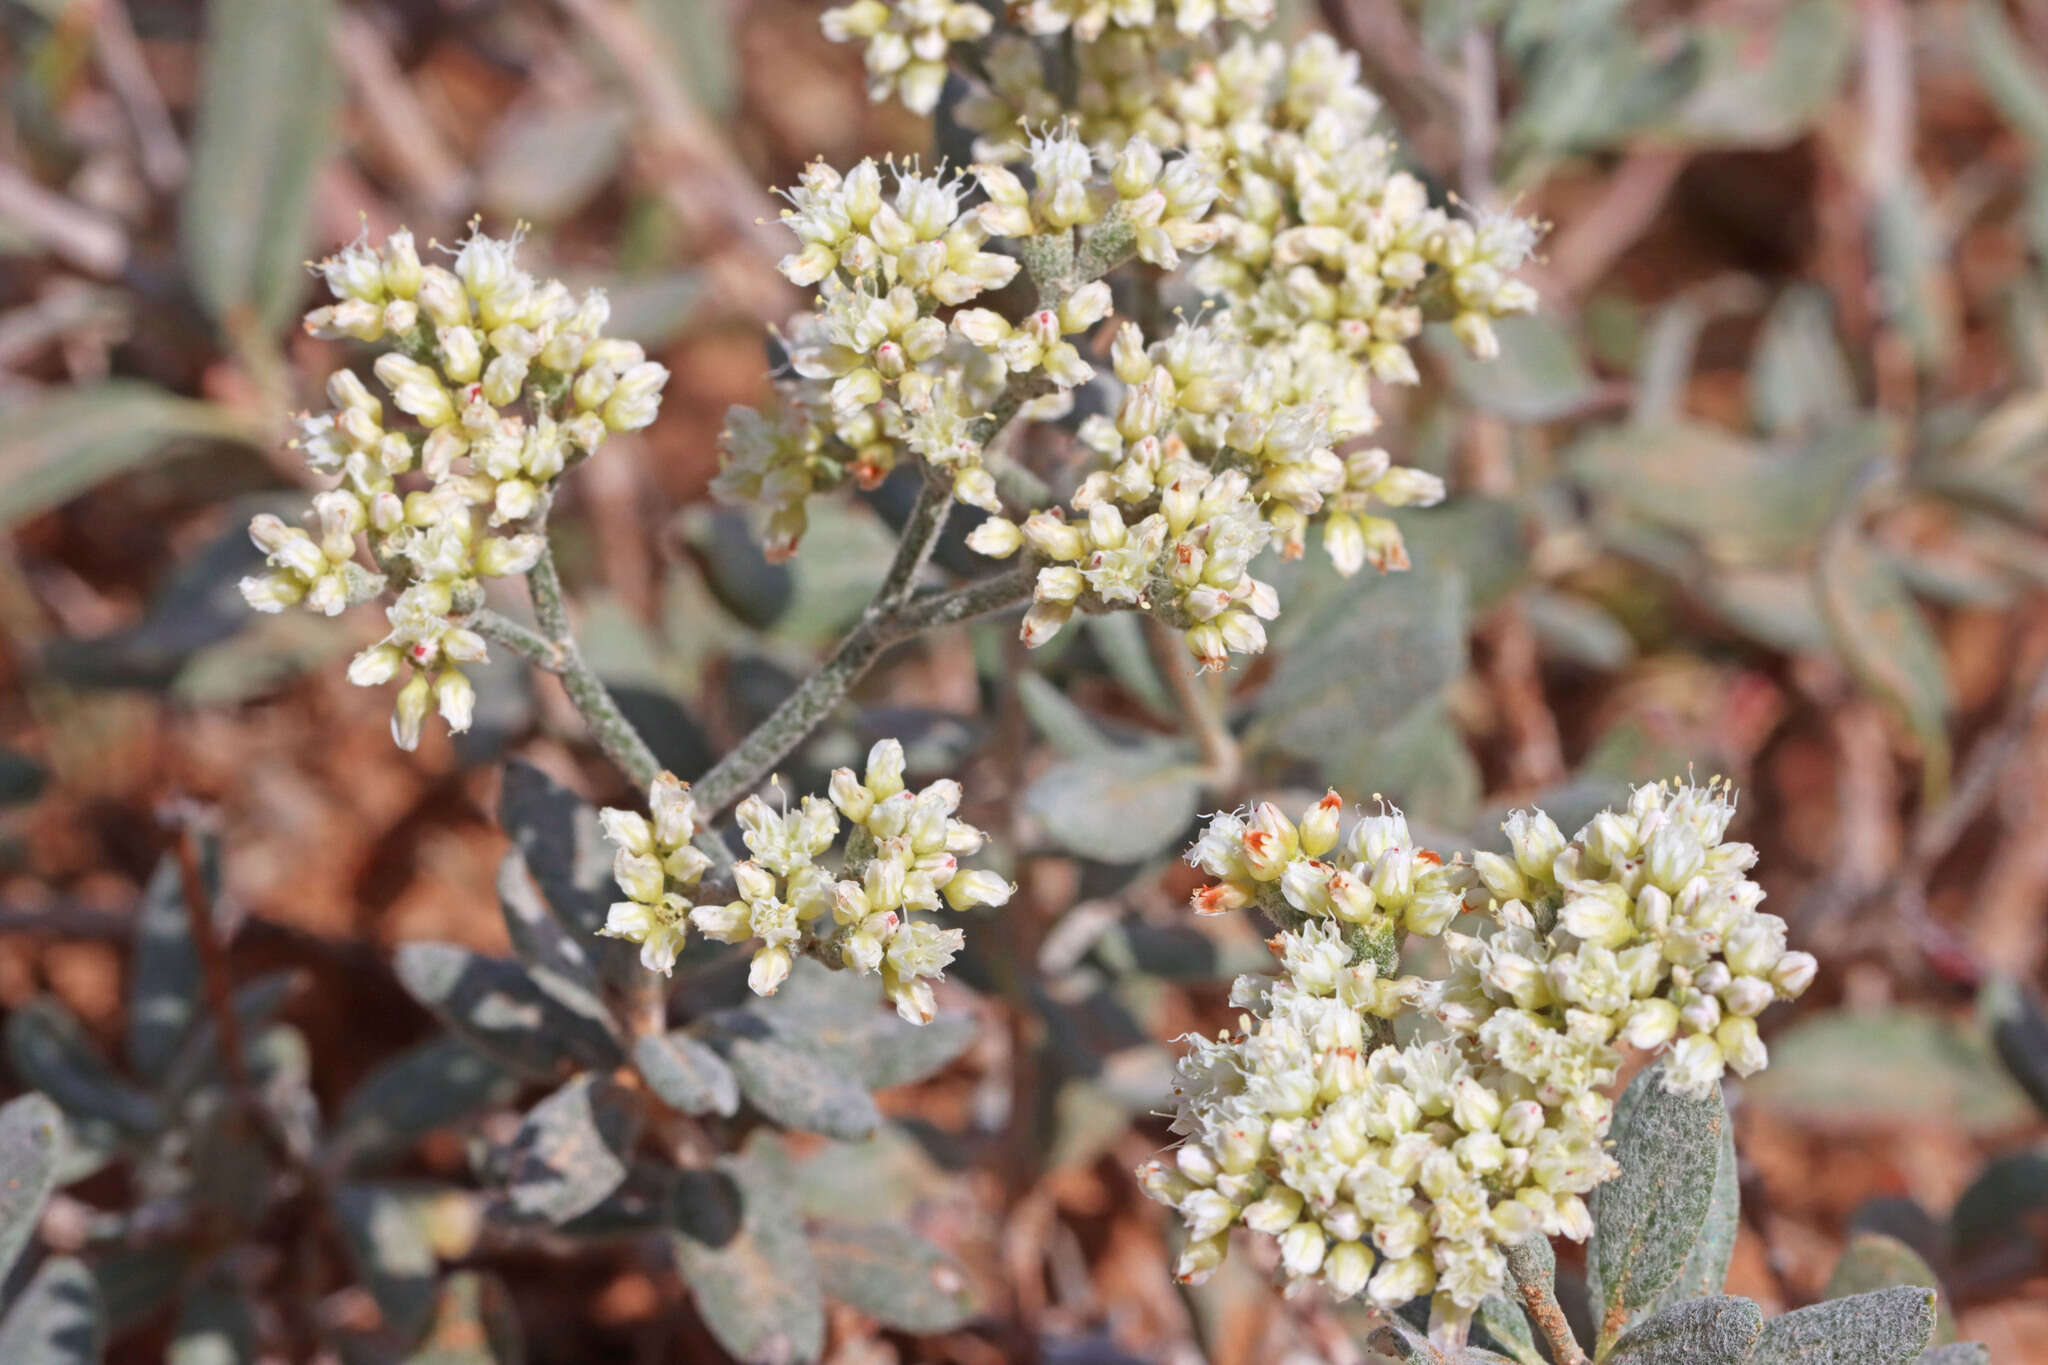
902	855
1644	929
1378	879
1397	1170
506	380
1323	258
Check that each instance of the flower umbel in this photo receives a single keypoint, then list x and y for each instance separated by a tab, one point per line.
1398	1169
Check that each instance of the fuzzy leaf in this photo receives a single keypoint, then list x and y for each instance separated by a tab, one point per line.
793	1086
839	1015
1376	651
537	936
431	1086
530	1020
214	1328
31	1140
558	833
1647	1218
740	1247
1507	1327
1706	1266
255	1004
640	1205
1716	1330
267	114
1957	1353
1884	1327
51	1052
393	1255
686	1074
135	1282
1873	1260
571	1150
1117	806
563	844
56	1320
1540	373
894	1276
2008	77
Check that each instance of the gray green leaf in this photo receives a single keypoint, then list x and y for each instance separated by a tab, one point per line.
163	973
1884	1327
393	1255
436	1084
533	1021
268	106
214	1328
741	1248
31	1140
570	1151
794	1086
686	1073
61	444
1886	642
51	1052
1706	1266
1118	805
894	1276
56	1320
1715	1330
1369	656
1648	1217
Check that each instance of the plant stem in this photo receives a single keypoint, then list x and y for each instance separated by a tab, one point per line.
804	709
1534	1271
554	648
1199	706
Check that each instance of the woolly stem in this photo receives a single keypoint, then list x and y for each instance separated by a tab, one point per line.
1534	1267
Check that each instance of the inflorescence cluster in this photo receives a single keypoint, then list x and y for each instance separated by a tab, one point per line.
1402	1165
1186	142
902	855
501	382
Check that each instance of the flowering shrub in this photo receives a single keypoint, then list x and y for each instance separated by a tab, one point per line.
1185	255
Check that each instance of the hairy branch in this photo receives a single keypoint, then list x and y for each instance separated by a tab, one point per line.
804	709
1533	1267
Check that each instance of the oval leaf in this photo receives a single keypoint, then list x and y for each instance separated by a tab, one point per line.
393	1254
1885	1327
894	1276
792	1086
1717	1330
31	1140
740	1247
686	1074
1647	1218
533	1021
1122	806
571	1150
163	973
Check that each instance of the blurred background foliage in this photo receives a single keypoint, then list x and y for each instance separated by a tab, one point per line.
1759	492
